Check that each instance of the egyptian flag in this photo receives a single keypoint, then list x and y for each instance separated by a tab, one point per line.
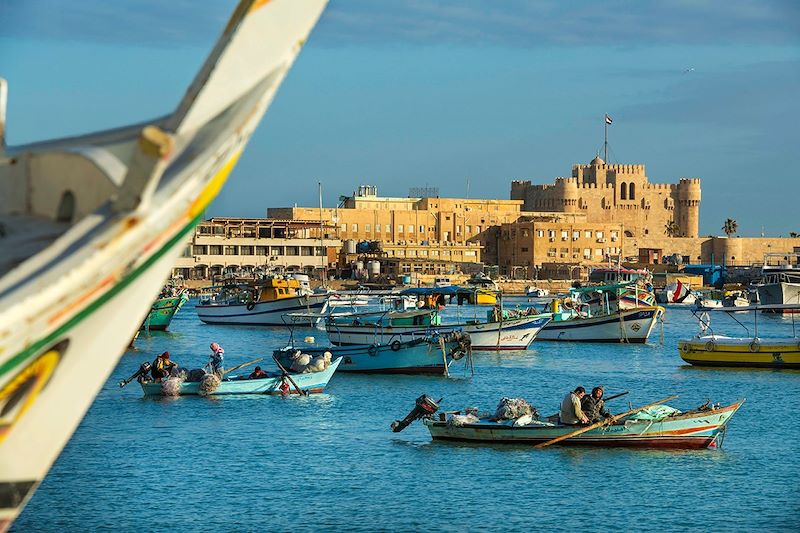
608	119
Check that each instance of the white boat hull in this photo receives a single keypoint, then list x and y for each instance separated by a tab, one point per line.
632	326
264	313
516	334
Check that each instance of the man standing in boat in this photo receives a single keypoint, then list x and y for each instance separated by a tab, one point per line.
571	411
593	405
215	360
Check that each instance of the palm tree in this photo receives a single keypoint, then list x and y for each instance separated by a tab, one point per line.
794	234
730	227
672	229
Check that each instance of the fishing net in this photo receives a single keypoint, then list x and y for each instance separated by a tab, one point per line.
209	384
656	412
460	420
172	385
300	361
195	375
513	408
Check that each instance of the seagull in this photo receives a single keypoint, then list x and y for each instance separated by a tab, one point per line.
689	69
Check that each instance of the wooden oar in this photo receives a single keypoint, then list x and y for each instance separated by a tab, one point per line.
611	420
286	374
243	365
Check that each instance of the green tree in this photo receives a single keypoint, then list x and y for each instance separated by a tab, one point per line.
730	227
672	229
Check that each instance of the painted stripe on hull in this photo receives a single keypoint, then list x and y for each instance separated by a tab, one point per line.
685	443
437	370
741	364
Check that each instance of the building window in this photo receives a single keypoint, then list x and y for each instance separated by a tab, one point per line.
200	249
307	250
576	235
524	249
292	250
587	234
215	249
540	233
564	234
598	252
262	250
354	228
469	253
600	234
477	229
377	228
388	228
344	228
247	250
231	250
551	234
367	228
399	228
410	228
587	253
458	230
632	191
623	191
276	250
422	229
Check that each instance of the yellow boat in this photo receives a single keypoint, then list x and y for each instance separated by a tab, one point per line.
715	350
709	349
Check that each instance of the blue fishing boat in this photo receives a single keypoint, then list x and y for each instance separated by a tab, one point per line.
274	383
422	355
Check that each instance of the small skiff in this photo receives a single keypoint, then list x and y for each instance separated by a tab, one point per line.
717	350
312	382
695	429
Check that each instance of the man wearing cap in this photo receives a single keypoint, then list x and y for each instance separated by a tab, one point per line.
161	367
571	412
593	405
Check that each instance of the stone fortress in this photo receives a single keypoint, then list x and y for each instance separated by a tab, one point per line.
614	193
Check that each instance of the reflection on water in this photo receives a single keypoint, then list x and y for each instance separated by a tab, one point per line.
330	461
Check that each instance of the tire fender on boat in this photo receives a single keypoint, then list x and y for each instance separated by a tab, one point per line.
372	350
755	345
710	346
251	306
685	347
395	345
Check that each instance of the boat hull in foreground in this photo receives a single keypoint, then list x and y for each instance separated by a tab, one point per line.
632	326
312	382
693	430
741	352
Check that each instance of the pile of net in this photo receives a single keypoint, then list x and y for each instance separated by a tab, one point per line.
514	408
656	412
172	385
460	420
209	384
304	363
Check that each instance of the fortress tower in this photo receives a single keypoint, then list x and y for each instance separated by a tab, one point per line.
615	193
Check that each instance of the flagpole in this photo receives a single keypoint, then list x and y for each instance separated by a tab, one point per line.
605	142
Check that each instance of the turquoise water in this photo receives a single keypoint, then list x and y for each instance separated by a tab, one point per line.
330	462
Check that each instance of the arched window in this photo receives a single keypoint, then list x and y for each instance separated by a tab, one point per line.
66	207
628	233
623	191
632	191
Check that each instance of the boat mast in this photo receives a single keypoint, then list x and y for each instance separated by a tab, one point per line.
322	237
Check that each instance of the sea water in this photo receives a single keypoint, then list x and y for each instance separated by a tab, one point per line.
330	462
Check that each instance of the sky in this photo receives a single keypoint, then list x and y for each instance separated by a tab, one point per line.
461	95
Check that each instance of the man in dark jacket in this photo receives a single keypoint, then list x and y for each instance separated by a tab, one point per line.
593	405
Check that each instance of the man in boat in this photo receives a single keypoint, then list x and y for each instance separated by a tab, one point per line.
593	405
161	367
215	359
258	373
571	412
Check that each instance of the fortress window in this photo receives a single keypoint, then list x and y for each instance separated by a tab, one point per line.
632	191
623	191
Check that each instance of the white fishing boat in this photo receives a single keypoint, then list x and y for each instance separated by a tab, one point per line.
92	225
261	302
589	314
781	282
536	292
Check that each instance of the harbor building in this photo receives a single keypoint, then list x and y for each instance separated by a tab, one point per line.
535	240
453	229
621	194
240	245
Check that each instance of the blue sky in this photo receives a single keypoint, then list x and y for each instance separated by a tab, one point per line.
441	93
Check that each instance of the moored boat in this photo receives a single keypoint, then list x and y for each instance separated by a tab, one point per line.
92	225
164	310
506	334
261	302
709	349
383	327
274	383
422	355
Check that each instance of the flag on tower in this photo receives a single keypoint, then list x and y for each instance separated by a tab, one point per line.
608	119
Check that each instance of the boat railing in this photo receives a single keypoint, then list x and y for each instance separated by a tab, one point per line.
705	319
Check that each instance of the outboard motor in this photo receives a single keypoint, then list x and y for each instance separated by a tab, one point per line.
425	406
140	375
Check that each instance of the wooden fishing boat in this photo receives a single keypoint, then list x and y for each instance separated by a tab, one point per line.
422	355
272	384
262	302
163	311
695	429
92	225
710	349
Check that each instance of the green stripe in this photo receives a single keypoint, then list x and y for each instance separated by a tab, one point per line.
35	347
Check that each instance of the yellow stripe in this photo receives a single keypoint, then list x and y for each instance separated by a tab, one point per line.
214	186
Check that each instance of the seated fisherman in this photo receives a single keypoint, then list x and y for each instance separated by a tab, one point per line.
571	412
593	405
161	367
258	373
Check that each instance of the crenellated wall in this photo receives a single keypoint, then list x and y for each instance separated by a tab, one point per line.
614	193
